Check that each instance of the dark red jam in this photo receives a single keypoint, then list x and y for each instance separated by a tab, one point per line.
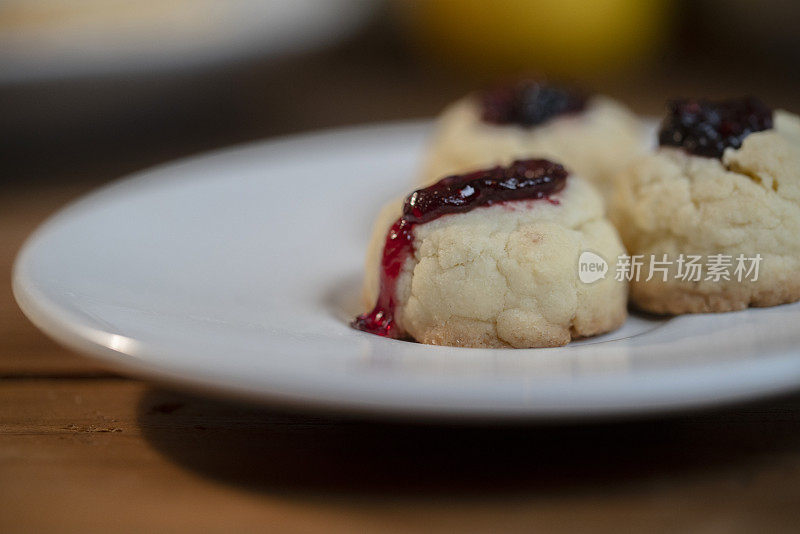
528	103
706	128
522	180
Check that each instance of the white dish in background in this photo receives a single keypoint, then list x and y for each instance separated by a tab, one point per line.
237	273
52	39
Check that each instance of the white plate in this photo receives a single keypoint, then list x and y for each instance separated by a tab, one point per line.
237	273
54	39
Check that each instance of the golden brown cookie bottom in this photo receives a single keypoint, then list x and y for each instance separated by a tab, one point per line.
677	299
476	334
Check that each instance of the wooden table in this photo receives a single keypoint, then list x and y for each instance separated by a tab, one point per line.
84	449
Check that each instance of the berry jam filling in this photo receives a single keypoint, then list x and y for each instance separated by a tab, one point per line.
706	128
522	180
529	103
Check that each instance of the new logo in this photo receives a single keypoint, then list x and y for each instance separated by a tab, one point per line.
591	267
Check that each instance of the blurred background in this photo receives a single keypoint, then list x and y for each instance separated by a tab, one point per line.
93	89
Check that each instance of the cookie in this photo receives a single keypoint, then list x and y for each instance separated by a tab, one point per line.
723	188
594	137
496	273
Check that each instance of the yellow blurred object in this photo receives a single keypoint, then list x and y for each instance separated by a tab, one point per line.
563	37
